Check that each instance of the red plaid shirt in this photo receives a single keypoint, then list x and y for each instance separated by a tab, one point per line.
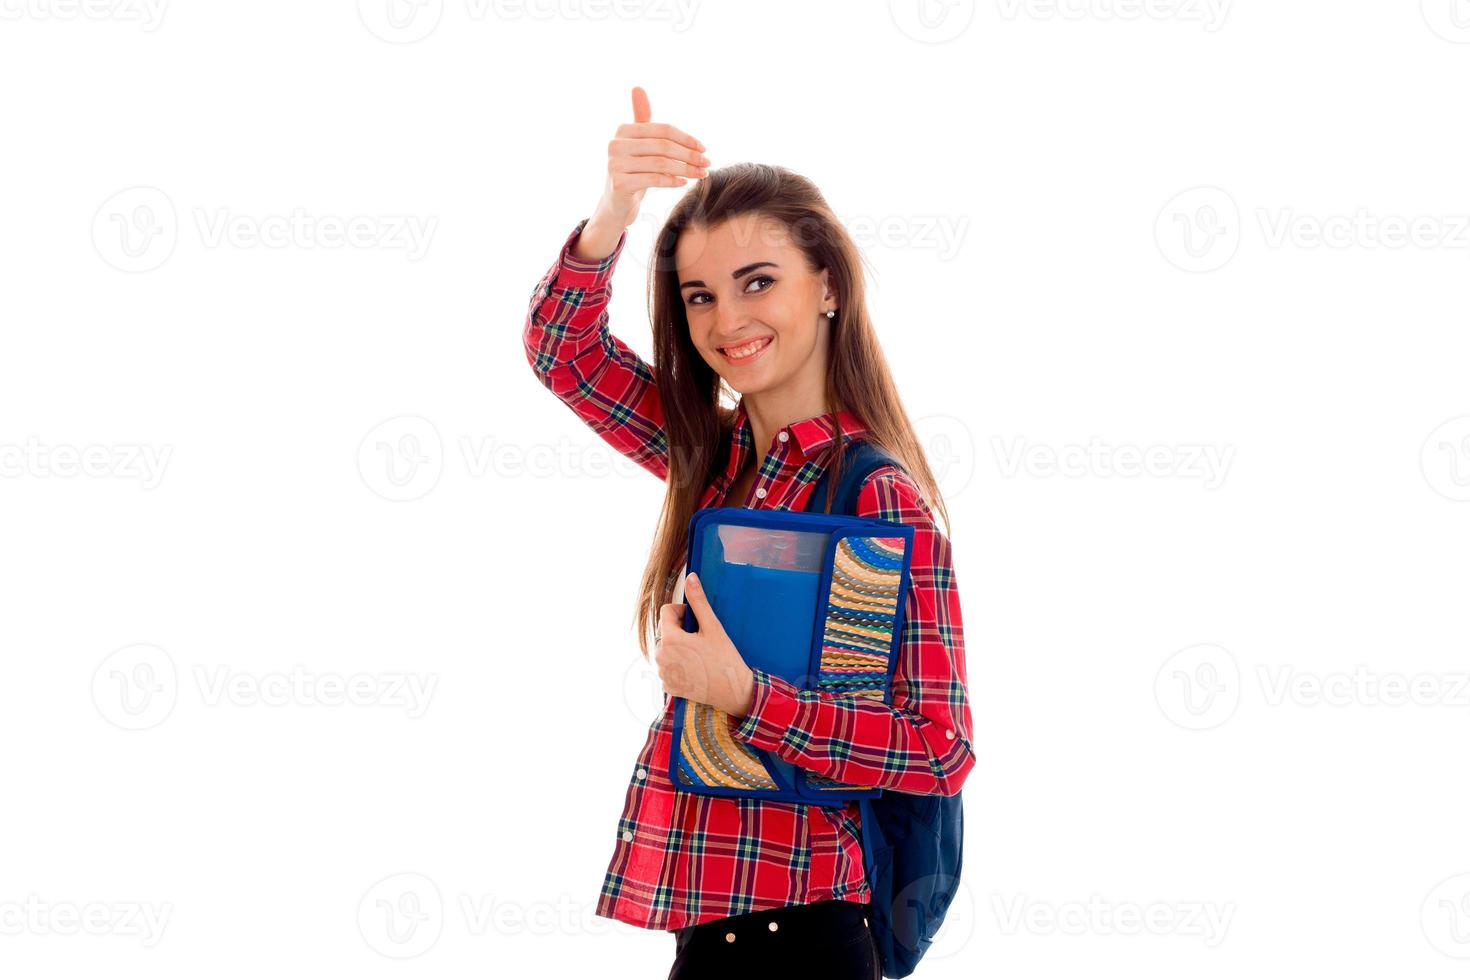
681	858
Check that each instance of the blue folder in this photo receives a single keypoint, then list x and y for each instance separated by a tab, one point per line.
815	599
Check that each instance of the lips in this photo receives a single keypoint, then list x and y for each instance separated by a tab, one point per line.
747	351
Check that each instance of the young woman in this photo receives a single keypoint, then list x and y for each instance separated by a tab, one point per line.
756	290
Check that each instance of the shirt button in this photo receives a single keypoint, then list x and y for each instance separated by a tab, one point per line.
782	435
642	773
949	733
729	937
772	927
761	492
628	835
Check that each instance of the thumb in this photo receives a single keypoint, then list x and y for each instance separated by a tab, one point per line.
704	613
641	112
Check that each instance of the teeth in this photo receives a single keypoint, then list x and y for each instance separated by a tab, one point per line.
739	352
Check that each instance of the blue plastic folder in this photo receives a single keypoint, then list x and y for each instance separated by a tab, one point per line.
815	599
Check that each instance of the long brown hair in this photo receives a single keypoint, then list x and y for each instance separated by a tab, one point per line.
699	428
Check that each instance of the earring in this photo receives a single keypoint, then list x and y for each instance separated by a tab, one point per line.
831	314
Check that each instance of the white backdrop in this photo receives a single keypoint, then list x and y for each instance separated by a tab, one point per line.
307	581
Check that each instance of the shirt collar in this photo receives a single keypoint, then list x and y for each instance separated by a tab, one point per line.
811	434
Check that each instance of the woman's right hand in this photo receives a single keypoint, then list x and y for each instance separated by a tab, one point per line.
642	154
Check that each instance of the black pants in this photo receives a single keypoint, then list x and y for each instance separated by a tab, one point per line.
827	940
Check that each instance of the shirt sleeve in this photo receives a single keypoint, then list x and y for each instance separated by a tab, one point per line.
920	743
576	357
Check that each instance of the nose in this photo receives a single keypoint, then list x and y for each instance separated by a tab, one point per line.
730	327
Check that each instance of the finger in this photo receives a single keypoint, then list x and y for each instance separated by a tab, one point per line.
654	165
699	602
640	151
641	112
671	616
641	130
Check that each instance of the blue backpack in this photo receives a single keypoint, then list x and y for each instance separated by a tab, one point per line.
913	843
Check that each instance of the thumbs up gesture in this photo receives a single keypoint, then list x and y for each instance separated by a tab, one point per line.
704	665
644	154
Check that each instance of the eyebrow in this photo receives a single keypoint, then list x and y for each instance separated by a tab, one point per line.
734	275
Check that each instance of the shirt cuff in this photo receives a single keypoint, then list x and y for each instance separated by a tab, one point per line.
604	264
772	711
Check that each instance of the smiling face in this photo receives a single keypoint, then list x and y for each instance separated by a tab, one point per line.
756	312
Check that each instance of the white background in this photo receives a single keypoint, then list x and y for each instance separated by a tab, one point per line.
1228	698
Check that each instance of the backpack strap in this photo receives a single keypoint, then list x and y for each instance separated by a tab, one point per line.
859	459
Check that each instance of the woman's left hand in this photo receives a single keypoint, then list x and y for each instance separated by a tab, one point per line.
704	665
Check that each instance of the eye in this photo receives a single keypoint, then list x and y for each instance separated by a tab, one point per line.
694	298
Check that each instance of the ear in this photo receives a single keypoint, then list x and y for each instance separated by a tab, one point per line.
829	294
